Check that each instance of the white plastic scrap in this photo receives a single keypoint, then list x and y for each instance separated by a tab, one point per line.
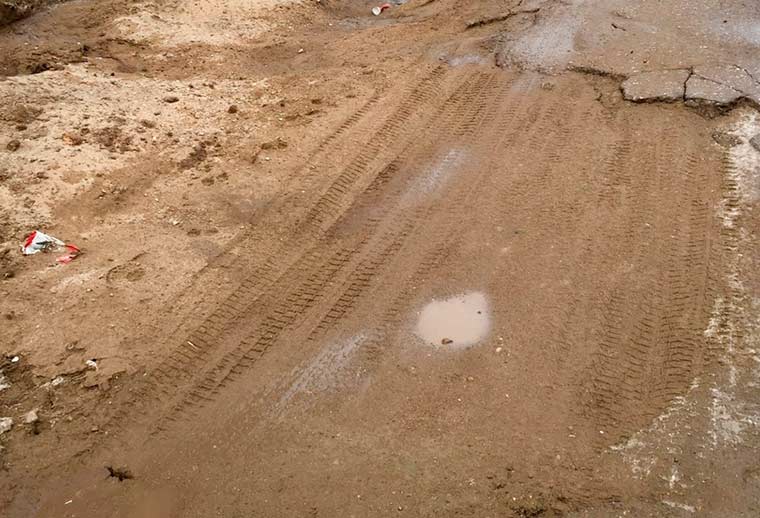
39	242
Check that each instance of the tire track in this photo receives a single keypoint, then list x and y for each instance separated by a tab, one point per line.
457	118
182	364
652	344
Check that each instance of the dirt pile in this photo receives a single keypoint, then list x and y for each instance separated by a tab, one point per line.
14	10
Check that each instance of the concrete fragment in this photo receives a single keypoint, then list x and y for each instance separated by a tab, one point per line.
702	90
731	76
6	423
661	85
755	141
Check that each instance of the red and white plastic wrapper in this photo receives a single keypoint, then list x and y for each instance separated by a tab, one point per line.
38	242
377	10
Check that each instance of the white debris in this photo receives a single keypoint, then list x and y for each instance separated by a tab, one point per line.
31	417
6	423
39	242
678	505
4	383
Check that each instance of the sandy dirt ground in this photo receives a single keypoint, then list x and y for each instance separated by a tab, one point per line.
459	259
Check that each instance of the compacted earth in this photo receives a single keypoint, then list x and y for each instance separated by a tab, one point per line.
491	258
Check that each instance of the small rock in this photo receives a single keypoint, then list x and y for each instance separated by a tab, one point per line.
663	86
726	140
171	99
121	473
13	145
278	143
31	417
755	141
232	109
447	341
6	423
90	381
72	139
148	123
300	51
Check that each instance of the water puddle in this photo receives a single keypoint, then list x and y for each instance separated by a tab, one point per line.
456	322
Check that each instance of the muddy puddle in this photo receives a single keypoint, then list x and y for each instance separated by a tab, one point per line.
456	322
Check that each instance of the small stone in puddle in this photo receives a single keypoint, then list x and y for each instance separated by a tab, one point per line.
455	321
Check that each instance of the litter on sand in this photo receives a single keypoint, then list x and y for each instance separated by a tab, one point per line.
38	242
377	10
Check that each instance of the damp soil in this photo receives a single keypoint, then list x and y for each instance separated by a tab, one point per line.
430	262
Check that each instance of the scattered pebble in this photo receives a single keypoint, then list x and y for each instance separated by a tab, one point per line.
122	473
278	143
726	140
232	109
171	99
547	85
13	145
6	423
73	139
